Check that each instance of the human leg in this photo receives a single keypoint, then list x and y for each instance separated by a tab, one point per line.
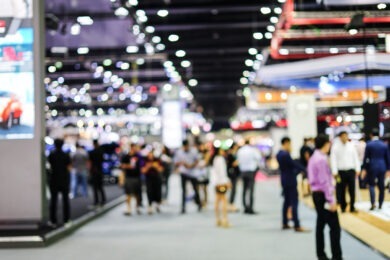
65	205
319	202
184	192
343	186
352	189
335	234
53	204
381	186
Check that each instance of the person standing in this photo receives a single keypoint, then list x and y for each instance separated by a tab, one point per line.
185	161
321	182
289	169
96	158
59	182
222	185
131	166
345	165
166	158
234	175
248	159
305	153
376	163
80	165
152	170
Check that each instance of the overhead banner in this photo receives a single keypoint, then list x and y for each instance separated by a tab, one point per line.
22	197
353	2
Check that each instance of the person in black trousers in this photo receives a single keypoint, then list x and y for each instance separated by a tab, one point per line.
233	174
152	170
96	158
289	169
321	182
59	181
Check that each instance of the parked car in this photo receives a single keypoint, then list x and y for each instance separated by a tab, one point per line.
10	109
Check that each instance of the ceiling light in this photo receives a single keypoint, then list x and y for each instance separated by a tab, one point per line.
381	35
180	53
133	2
185	63
249	63
283	52
143	19
309	50
265	10
140	13
132	49
149	48
352	50
85	20
125	66
270	28
259	56
268	35
136	29
140	61
58	49
163	13
353	31
244	81
156	39
107	62
278	10
274	19
149	29
284	95
246	73
51	69
82	50
281	1
75	29
193	82
160	47
173	38
334	50
168	64
381	6
252	51
258	35
121	12
256	65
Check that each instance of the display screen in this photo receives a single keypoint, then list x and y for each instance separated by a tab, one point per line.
16	70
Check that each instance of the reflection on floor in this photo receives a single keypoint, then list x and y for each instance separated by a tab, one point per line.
194	236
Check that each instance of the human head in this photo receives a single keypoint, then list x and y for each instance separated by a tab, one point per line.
95	143
150	155
247	142
322	143
186	145
375	132
78	145
344	137
133	149
286	143
58	143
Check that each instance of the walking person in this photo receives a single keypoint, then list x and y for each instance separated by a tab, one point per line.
248	159
80	166
201	173
345	165
96	158
166	158
185	161
376	163
234	175
222	185
321	182
131	167
152	170
59	182
305	152
289	169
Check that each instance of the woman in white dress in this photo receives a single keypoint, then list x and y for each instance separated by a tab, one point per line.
222	184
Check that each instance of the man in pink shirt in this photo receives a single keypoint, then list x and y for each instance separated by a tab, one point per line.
321	182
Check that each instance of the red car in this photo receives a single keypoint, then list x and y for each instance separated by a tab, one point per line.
10	109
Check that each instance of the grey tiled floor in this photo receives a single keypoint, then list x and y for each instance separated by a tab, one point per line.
193	236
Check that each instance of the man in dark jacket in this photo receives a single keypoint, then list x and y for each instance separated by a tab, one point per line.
376	163
288	174
59	181
96	158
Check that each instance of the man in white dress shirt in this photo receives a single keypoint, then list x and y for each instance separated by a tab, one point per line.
248	158
346	166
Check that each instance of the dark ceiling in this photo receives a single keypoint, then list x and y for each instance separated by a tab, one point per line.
215	35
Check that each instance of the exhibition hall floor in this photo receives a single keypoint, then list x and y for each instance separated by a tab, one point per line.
194	236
